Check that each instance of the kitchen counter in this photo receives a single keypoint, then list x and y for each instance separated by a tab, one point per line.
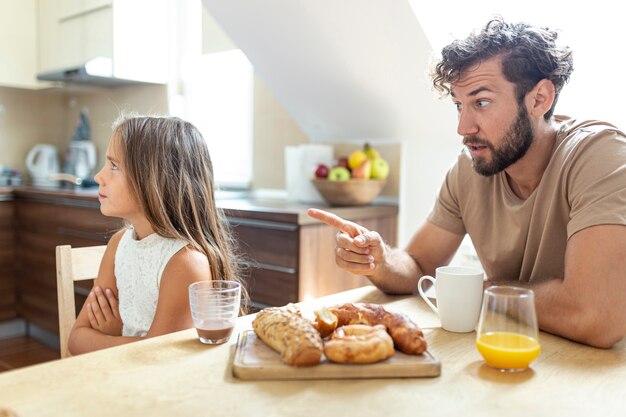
176	375
257	208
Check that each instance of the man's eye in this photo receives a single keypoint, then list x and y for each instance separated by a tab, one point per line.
458	106
482	103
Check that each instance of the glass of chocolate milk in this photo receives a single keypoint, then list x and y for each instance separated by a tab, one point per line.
214	309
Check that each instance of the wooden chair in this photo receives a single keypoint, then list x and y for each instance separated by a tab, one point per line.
73	264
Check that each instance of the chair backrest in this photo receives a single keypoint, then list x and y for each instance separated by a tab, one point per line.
73	264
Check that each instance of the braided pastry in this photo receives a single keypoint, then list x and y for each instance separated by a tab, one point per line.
289	334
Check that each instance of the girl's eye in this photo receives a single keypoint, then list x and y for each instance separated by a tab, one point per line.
114	166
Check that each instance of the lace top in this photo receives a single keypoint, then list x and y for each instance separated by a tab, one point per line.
139	265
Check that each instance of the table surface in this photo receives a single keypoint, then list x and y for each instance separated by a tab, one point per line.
175	375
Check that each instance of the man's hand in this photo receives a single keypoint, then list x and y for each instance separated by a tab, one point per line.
358	250
103	312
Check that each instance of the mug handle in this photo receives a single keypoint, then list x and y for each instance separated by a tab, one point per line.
423	295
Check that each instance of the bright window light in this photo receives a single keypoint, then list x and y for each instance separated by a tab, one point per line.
592	31
218	96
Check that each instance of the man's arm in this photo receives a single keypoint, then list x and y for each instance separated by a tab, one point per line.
589	304
392	270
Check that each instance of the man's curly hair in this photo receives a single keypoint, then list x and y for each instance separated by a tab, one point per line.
529	54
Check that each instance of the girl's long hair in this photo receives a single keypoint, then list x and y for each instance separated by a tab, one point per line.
170	171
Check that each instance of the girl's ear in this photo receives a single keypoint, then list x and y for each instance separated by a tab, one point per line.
539	100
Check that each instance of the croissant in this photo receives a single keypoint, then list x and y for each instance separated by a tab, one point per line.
406	335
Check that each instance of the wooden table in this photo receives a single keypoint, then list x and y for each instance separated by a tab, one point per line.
175	375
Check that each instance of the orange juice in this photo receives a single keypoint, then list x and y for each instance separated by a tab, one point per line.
508	350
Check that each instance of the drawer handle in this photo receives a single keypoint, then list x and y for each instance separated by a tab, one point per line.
270	267
262	224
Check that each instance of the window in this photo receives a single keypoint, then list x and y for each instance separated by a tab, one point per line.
218	100
214	91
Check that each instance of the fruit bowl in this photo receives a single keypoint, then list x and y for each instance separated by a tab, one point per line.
352	192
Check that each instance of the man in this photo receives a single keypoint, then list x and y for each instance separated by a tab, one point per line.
542	197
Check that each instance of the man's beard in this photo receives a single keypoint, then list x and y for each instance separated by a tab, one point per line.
514	146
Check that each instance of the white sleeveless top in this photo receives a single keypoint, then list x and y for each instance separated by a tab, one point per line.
139	265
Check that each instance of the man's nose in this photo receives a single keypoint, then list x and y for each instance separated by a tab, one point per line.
467	124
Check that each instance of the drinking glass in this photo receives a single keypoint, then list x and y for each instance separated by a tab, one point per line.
507	336
214	308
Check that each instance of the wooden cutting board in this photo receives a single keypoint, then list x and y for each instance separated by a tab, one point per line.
253	359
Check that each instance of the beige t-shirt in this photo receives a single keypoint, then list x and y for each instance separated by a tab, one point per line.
583	185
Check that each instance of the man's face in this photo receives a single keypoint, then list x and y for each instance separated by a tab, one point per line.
512	148
496	130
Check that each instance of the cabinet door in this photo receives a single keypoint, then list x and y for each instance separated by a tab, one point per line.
40	228
7	261
270	248
73	32
18	48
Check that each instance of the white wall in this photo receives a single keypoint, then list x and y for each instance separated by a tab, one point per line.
352	70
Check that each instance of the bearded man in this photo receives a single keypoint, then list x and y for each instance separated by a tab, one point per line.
542	197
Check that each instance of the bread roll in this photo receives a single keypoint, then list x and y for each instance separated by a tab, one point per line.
289	334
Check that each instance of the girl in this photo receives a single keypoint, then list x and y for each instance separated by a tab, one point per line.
158	177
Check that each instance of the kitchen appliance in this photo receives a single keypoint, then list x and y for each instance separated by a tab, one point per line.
97	71
41	161
83	158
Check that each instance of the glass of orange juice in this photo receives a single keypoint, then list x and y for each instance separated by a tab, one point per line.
507	336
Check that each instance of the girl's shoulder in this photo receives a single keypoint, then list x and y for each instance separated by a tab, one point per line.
190	263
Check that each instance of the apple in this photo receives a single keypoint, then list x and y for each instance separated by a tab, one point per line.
363	171
343	162
321	171
338	174
380	169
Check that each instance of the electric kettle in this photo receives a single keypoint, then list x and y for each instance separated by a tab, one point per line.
41	161
83	153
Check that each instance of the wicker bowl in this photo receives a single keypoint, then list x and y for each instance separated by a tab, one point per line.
351	192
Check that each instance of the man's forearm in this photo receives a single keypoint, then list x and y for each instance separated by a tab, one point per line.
86	339
399	274
563	312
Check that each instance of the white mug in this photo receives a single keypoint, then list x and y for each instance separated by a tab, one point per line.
459	292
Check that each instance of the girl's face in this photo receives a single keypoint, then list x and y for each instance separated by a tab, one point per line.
114	193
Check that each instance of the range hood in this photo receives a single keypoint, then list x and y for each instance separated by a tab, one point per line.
95	72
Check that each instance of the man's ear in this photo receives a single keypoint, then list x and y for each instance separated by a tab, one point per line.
540	98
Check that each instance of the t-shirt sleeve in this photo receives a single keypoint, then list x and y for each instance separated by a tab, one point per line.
447	213
597	182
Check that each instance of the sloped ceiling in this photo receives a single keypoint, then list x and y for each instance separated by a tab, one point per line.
349	69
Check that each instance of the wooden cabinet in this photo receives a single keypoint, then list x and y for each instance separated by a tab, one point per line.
132	36
43	222
7	253
18	48
290	257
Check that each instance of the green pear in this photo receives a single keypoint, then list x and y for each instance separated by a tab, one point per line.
371	152
380	169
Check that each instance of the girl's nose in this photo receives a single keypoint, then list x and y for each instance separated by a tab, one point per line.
98	178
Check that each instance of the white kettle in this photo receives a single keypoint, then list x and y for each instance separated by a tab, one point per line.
42	161
84	157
